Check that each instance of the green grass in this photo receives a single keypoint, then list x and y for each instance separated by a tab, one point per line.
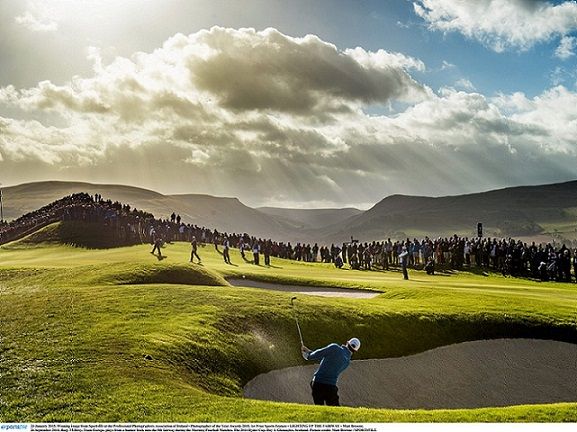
117	335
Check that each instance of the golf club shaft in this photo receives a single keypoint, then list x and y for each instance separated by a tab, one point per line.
296	319
299	329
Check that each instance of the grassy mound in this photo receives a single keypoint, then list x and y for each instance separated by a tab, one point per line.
115	335
47	235
116	274
91	235
138	274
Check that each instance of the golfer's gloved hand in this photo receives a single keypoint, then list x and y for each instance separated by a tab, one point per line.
305	352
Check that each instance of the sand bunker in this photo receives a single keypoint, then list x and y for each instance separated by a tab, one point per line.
302	289
468	375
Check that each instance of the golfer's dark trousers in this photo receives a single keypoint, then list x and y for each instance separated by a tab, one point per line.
325	394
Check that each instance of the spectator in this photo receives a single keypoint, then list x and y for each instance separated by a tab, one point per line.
404	257
430	267
157	245
256	253
226	250
575	264
194	247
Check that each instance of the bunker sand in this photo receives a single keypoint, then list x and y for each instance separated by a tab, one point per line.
488	373
308	290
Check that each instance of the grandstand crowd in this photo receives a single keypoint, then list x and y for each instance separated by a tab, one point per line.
130	226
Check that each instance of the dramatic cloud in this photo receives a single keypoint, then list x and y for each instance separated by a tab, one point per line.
555	111
242	70
269	70
566	47
38	17
270	118
501	24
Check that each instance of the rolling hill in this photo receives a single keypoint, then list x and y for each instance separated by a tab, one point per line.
547	211
223	214
540	213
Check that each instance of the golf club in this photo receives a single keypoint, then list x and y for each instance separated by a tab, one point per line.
296	319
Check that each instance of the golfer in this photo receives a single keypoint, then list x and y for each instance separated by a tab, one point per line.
334	359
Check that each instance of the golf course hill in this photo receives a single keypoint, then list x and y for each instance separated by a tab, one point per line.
540	213
86	235
118	334
221	213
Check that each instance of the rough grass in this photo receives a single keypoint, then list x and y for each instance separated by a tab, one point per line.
116	335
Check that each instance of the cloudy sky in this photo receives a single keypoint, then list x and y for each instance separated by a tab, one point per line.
290	103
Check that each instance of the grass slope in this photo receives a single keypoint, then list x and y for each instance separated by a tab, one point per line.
117	335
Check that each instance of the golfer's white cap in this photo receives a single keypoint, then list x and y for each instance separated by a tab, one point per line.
354	344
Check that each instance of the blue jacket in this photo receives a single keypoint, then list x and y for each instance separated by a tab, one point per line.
334	359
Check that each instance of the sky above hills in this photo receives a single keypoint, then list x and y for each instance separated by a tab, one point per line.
290	103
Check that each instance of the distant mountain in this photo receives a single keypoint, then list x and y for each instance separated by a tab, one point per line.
526	212
310	219
229	215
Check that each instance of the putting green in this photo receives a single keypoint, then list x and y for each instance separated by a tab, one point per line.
118	335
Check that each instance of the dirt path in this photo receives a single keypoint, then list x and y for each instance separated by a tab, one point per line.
468	375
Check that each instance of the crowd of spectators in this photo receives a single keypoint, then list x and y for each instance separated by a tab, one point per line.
131	226
508	256
119	219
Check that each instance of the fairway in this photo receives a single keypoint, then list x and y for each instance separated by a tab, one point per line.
117	335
